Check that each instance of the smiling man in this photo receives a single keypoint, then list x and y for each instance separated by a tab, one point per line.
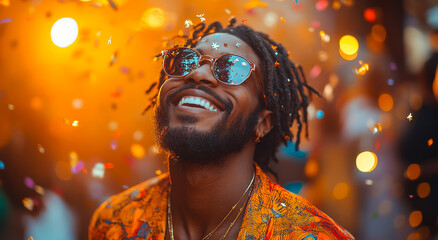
227	99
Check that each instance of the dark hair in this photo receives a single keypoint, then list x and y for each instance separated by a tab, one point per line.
284	83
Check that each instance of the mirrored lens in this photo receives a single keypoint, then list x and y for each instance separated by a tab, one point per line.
180	62
232	69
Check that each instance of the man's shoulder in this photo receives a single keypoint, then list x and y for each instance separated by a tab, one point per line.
292	212
122	214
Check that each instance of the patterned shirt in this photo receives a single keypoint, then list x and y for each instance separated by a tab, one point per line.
273	213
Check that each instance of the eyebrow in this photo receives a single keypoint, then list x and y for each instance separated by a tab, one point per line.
203	53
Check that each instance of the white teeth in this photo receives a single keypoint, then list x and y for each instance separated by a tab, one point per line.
197	101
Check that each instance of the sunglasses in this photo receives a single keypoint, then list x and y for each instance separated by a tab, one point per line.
228	68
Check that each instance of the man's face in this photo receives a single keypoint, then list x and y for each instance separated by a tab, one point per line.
189	130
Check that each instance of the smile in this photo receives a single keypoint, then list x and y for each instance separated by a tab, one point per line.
199	102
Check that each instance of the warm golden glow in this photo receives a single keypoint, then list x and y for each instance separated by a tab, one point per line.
378	32
349	45
423	189
386	103
153	18
366	161
415	218
340	191
137	150
413	171
311	168
62	170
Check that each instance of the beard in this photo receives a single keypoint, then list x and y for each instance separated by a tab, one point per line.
189	145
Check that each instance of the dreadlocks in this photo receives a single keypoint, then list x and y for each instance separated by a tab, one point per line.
284	83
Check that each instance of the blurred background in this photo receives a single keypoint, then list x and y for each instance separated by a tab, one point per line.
73	76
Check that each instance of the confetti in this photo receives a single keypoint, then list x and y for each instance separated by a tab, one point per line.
28	203
315	71
201	17
324	36
363	69
276	64
409	117
227	11
77	167
282	20
5	20
238	44
4	3
29	182
376	128
98	170
321	5
225	44
109	40
75	123
244	20
368	182
114	58
319	114
112	4
188	23
411	196
158	172
125	70
255	3
430	142
214	45
114	144
11	107
40	148
109	165
39	189
2	165
125	186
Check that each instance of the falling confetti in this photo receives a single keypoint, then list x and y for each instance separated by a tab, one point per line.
214	45
409	117
109	165
188	23
321	5
324	36
319	114
255	3
201	17
227	11
315	71
39	189
2	165
40	148
282	20
75	123
11	107
77	167
369	182
362	70
29	182
98	170
5	20
238	44
28	203
112	4
276	64
109	40
430	142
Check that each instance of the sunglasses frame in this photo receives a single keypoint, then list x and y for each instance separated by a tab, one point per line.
212	61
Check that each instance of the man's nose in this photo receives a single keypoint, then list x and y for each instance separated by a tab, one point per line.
203	75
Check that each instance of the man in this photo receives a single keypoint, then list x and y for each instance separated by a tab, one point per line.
226	101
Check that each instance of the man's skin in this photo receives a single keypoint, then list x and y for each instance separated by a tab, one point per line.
202	195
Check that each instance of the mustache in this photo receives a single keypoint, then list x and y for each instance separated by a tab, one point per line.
228	105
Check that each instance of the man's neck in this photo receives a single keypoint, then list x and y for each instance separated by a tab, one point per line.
202	195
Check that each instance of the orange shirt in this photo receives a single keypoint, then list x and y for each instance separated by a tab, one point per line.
272	213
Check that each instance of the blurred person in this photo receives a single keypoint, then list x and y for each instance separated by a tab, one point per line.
419	145
226	101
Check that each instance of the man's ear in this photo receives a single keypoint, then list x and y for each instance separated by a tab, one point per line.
265	123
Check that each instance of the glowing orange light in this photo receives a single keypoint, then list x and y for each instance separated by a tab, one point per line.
109	165
378	32
435	84
366	161
369	14
158	172
430	142
363	69
75	123
349	45
413	171
340	191
386	103
415	218
311	168
153	18
423	189
137	150
255	3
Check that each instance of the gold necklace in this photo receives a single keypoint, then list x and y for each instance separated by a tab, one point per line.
169	214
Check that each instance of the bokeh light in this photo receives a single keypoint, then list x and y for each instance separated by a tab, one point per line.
348	45
341	190
423	189
64	32
311	168
137	150
413	171
153	18
366	161
378	32
62	170
415	218
386	103
370	15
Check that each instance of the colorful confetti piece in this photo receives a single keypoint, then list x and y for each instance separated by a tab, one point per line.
98	170
276	64
188	23
5	20
201	17
28	203
40	148
29	182
430	142
409	117
109	40
214	45
2	165
282	19
75	123
39	189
